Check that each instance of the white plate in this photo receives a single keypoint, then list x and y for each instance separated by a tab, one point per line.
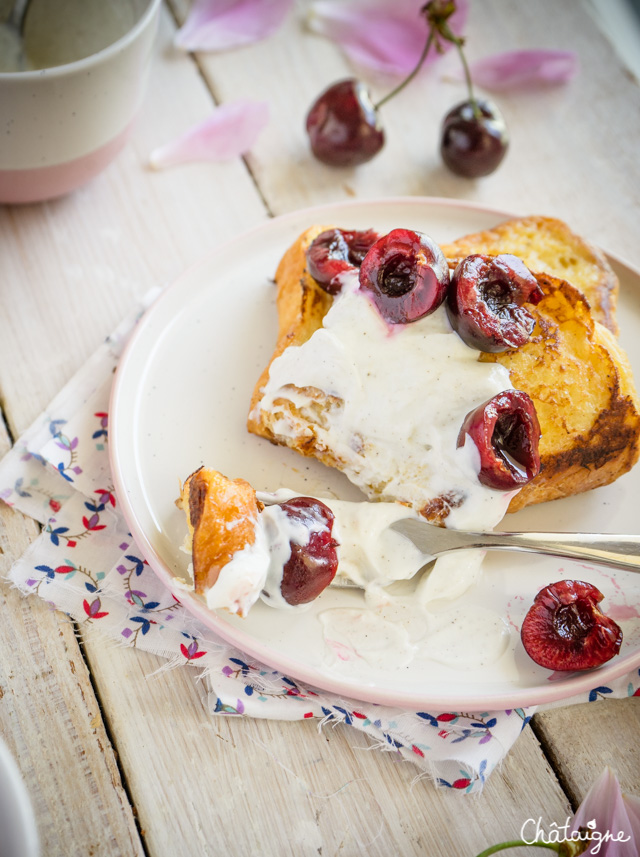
180	400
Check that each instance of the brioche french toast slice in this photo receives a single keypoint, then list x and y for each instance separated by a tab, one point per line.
221	515
572	368
547	245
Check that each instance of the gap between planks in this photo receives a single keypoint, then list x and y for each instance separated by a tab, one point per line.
112	741
554	762
178	16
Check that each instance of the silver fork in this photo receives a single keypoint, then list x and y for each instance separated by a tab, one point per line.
617	551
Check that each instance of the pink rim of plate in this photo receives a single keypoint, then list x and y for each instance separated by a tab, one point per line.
518	698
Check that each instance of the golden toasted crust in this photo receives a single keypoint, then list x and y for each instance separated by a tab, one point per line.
547	245
301	306
572	368
582	387
221	516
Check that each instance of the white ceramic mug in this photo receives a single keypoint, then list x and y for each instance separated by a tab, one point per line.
60	126
17	821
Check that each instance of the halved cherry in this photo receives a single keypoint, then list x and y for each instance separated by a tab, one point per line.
406	276
485	302
506	431
311	567
566	630
336	251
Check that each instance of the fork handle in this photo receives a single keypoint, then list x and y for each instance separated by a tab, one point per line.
617	551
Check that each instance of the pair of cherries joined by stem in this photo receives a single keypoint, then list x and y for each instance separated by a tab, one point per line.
406	277
345	130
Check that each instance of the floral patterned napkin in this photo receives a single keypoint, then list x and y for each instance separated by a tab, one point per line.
86	564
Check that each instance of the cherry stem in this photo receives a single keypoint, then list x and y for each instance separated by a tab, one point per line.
514	843
443	29
408	79
451	37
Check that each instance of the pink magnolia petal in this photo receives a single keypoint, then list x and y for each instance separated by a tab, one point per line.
230	130
632	806
383	35
216	25
522	69
612	818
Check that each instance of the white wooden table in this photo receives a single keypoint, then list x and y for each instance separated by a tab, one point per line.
116	771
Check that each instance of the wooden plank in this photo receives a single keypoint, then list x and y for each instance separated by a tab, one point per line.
582	740
214	785
51	721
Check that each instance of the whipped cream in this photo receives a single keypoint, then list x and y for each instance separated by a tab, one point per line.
369	553
241	580
257	569
364	634
401	394
392	628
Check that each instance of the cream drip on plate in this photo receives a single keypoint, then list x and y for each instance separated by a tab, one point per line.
390	628
462	637
400	395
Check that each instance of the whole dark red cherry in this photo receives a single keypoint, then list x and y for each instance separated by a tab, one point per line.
343	125
485	302
335	251
566	630
473	144
506	431
406	275
311	567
